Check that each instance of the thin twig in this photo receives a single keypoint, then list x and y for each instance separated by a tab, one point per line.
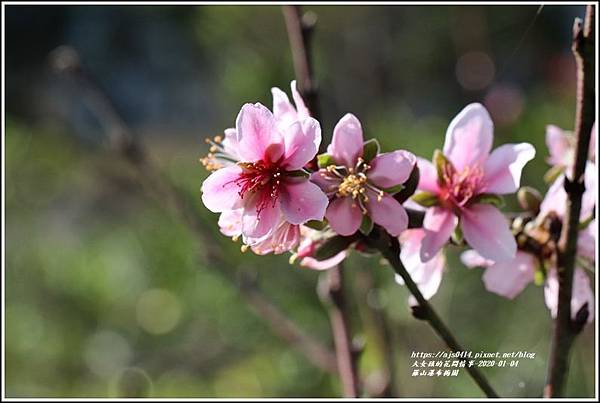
565	329
331	286
66	60
390	249
331	291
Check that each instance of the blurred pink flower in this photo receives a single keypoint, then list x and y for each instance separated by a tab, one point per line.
561	146
509	278
310	242
265	184
357	188
467	173
283	238
428	275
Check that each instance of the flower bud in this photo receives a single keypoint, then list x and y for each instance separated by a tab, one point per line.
529	199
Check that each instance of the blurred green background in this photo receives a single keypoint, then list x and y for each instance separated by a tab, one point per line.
105	293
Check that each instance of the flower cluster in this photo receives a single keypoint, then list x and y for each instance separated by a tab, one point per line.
275	192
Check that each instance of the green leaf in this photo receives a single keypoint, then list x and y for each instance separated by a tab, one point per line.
586	222
410	186
441	164
298	173
489	198
324	160
370	149
333	246
366	226
425	199
394	189
317	225
553	173
457	236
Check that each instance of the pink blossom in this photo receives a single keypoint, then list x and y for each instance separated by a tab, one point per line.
582	294
428	275
311	240
465	174
556	198
264	184
561	146
357	187
509	278
283	238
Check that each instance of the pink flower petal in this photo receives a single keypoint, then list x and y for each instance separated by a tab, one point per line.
582	293
503	167
258	223
388	213
300	147
556	197
559	146
471	259
312	263
509	278
438	225
427	276
302	201
469	137
230	222
343	216
303	111
428	180
256	131
391	169
283	110
347	142
328	183
486	230
219	190
586	243
284	238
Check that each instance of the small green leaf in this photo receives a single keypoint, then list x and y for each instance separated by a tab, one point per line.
333	246
298	173
553	173
586	222
489	198
394	189
370	149
442	164
324	160
410	186
457	236
317	225
366	226
425	199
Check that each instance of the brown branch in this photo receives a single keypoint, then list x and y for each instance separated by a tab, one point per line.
390	249
565	329
66	60
331	292
331	285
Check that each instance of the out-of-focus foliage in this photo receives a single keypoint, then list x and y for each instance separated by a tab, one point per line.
106	294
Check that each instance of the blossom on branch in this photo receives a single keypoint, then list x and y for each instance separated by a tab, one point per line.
360	182
462	187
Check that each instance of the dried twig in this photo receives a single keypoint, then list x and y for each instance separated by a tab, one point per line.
565	328
66	61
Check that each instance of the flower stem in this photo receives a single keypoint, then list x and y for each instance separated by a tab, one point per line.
565	328
391	251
